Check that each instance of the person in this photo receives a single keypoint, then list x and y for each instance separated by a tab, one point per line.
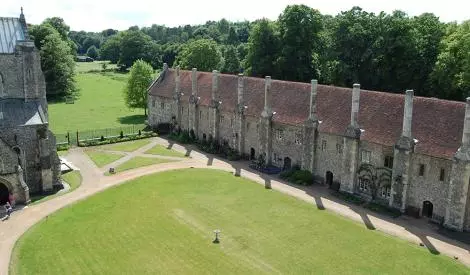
8	209
11	200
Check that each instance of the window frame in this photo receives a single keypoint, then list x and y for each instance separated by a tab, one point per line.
324	144
442	174
422	170
365	154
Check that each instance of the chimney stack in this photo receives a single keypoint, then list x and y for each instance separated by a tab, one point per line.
215	84
466	127
194	81
408	114
267	96
313	100
240	88
355	105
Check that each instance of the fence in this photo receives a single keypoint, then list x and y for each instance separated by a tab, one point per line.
73	138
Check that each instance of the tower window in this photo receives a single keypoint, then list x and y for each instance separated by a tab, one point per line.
421	170
442	174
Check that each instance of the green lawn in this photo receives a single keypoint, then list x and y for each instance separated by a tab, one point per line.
164	151
137	162
73	178
100	105
128	146
102	158
163	224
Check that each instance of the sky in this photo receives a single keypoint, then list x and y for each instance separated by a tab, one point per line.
97	15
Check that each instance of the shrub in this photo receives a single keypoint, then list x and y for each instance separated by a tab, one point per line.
97	142
379	208
63	147
297	176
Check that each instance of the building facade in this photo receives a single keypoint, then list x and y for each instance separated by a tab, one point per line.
28	157
411	153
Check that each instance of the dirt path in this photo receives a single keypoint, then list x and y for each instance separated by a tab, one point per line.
94	181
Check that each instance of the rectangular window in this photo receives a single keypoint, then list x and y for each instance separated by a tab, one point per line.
339	148
221	120
323	145
231	122
421	169
385	192
442	175
388	162
298	138
200	115
153	102
162	105
365	156
363	184
280	134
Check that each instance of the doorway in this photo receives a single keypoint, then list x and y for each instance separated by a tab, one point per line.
4	193
427	209
252	154
329	178
287	163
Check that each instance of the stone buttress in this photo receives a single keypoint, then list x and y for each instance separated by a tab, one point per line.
265	126
351	139
214	112
310	132
239	130
457	216
193	104
404	148
177	97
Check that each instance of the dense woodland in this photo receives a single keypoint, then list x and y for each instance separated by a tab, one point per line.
385	52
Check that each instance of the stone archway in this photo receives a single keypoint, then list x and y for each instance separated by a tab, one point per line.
252	153
4	193
329	178
287	165
427	209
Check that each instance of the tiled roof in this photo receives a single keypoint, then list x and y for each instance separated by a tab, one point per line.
437	124
11	30
16	112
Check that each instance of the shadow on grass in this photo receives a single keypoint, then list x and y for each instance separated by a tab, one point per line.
132	119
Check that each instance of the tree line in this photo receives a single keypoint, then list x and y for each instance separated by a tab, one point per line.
385	52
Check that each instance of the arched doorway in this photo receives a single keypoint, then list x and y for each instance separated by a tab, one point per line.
287	163
252	153
4	193
329	178
427	209
204	137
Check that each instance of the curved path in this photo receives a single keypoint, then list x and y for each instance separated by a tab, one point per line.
93	181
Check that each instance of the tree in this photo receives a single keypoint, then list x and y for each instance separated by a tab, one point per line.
58	66
451	75
232	38
111	49
92	52
39	33
59	25
231	61
263	49
299	27
202	54
140	77
135	45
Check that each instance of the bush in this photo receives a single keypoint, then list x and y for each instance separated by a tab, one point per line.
297	176
63	147
181	137
97	142
382	209
349	198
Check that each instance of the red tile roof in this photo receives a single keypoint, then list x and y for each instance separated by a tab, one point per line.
437	124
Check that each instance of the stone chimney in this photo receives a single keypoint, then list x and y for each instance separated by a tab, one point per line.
313	100
267	112
466	128
194	81
408	114
355	105
215	84
240	89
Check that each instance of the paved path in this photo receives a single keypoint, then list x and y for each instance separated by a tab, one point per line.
94	181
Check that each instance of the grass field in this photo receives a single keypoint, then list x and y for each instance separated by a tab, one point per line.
73	178
128	146
163	224
100	104
137	162
163	151
102	158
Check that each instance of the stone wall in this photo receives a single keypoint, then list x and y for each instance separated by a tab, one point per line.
328	156
284	144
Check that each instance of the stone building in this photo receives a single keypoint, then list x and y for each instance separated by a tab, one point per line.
28	157
411	153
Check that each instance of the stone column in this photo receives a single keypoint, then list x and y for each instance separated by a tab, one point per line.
457	216
401	173
193	104
350	160
177	96
214	107
265	126
240	117
310	131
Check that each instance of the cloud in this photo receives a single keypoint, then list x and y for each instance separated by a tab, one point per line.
96	15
